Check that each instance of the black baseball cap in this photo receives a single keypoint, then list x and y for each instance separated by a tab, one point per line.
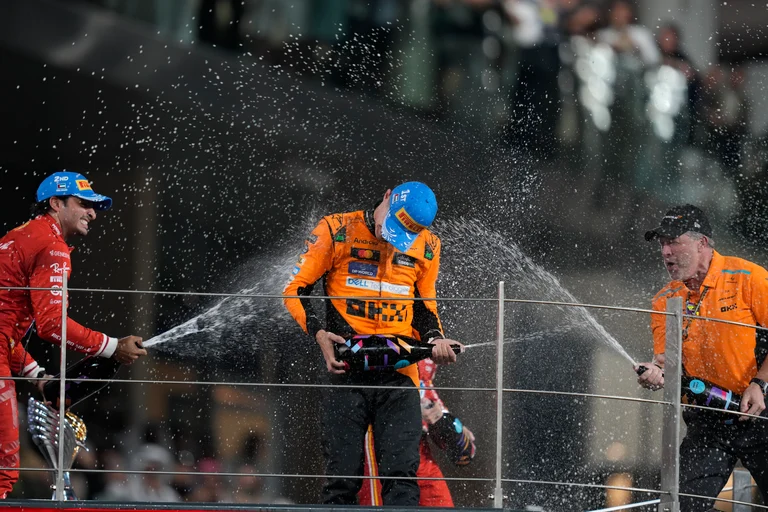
680	220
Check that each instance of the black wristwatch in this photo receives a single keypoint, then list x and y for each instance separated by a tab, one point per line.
763	385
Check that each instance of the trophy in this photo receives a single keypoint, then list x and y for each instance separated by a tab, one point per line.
44	427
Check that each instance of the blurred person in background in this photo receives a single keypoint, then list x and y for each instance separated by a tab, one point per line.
210	488
116	485
725	288
379	253
725	112
36	255
250	488
151	486
535	101
627	37
432	493
673	55
211	14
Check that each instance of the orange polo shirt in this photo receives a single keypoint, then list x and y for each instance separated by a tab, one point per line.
733	289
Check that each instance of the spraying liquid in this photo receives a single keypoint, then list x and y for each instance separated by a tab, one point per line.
466	270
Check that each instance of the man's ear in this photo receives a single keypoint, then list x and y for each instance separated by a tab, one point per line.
387	194
55	203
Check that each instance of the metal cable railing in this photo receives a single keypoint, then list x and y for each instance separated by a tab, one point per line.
673	314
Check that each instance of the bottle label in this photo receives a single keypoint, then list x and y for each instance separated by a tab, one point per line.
696	386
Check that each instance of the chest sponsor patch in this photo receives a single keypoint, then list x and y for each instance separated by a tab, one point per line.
367	284
366	254
404	260
363	269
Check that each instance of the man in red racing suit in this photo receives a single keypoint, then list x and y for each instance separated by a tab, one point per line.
35	255
433	493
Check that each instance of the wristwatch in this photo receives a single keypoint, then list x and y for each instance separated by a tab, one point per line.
763	385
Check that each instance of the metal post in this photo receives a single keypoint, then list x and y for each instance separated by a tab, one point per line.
670	436
742	489
498	498
62	388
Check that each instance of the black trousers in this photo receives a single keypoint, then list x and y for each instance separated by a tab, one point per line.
396	418
709	453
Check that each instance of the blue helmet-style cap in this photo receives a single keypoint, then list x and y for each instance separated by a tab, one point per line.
65	183
412	208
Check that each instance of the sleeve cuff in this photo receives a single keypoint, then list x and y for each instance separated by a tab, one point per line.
31	370
109	347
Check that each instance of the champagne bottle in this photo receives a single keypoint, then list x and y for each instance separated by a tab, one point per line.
75	391
383	352
448	434
697	391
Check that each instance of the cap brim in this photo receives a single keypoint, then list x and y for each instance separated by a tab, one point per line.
399	237
663	231
100	202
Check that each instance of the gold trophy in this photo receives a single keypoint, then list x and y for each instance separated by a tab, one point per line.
44	427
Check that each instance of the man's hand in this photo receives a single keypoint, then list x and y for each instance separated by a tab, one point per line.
42	380
752	401
469	434
326	340
129	349
652	378
429	412
442	352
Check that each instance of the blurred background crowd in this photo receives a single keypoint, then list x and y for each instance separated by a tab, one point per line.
582	84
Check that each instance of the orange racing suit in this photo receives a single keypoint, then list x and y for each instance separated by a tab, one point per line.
344	252
33	255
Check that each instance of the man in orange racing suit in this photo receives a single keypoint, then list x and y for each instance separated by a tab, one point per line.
721	287
35	255
380	256
433	493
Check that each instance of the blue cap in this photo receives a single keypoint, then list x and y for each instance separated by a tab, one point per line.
65	183
412	208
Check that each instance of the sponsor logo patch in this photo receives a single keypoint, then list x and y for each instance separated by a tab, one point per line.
312	239
407	221
59	269
363	269
61	254
341	235
56	279
729	307
83	185
376	286
404	260
365	241
366	254
429	253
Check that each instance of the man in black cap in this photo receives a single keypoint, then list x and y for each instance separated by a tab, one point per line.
721	287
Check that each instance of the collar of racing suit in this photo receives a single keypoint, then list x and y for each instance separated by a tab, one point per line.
370	222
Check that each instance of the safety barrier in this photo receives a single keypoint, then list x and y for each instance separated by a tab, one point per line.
670	470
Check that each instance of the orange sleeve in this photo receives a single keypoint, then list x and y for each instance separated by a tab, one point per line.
759	295
426	321
315	260
658	325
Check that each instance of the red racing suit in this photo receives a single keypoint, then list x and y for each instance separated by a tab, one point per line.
33	255
433	493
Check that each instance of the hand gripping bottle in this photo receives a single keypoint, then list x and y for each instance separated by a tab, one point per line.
448	434
702	392
78	390
382	352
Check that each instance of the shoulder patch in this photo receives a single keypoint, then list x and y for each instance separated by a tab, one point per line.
340	235
429	253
